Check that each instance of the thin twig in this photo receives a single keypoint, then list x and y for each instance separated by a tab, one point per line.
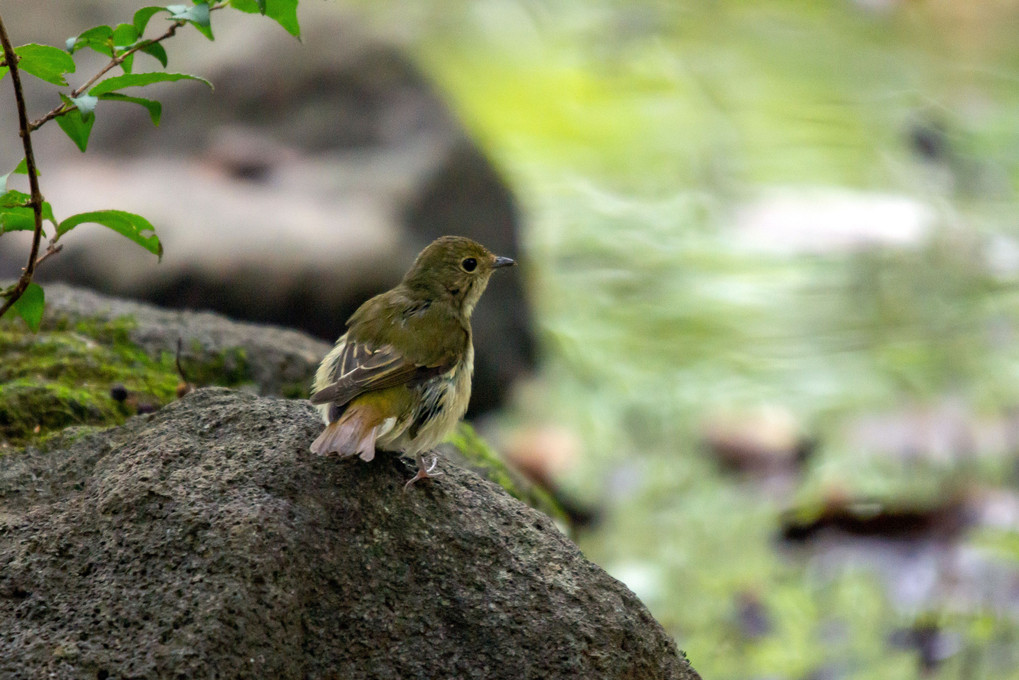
185	386
52	249
180	349
33	180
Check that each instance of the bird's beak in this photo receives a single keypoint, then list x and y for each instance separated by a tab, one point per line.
503	262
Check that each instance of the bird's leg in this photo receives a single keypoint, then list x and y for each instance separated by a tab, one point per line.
423	472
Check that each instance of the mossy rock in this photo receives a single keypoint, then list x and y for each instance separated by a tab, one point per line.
476	455
88	344
205	540
65	375
62	376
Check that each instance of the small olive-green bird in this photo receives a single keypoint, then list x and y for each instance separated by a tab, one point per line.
399	379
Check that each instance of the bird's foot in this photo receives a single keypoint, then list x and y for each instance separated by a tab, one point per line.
435	462
423	472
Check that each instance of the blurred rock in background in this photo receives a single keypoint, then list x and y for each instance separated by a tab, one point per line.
304	184
762	441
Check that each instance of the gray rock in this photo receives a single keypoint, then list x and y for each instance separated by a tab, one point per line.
205	541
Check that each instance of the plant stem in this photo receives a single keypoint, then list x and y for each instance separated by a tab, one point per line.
33	180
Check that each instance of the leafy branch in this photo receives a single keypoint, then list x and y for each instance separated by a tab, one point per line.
115	61
76	114
35	201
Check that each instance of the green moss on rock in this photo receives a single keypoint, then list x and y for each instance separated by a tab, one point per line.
62	376
227	368
28	408
296	390
484	460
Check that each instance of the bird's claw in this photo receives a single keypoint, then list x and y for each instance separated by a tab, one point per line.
435	462
423	473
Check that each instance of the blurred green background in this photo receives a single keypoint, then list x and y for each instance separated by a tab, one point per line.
748	213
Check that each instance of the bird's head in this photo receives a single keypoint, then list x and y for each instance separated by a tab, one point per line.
456	268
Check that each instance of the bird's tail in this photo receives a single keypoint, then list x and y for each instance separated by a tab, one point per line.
352	434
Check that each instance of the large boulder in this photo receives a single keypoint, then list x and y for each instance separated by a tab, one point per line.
304	184
205	541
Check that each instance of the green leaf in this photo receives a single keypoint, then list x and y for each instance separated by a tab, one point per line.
75	124
16	219
154	108
21	169
284	12
15	215
99	39
140	79
14	199
156	50
142	16
45	62
3	71
249	6
124	35
196	15
134	227
30	306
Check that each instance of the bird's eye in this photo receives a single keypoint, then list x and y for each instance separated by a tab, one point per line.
469	264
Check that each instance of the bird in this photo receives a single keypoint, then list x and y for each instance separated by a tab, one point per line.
399	378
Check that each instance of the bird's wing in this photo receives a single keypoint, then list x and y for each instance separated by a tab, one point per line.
358	368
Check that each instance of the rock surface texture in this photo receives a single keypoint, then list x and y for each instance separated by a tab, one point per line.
204	541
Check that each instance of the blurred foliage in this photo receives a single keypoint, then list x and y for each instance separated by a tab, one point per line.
636	133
